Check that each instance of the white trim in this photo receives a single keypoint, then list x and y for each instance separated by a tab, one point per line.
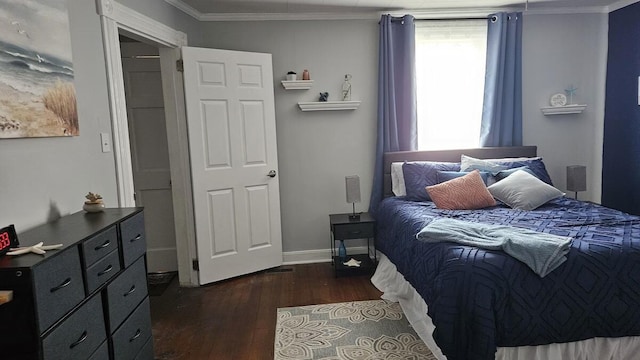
568	10
620	4
115	17
117	105
185	8
317	256
443	13
139	24
289	16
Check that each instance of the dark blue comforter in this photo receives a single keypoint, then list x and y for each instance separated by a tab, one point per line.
480	299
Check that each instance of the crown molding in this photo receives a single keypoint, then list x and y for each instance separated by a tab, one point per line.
287	16
187	9
568	10
620	4
422	14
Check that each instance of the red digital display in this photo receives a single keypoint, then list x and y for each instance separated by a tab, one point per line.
8	239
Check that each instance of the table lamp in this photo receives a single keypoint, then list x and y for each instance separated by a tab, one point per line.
576	178
352	184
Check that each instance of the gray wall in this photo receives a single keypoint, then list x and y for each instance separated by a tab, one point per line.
559	50
43	178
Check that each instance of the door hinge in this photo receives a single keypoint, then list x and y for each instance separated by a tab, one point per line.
180	65
195	264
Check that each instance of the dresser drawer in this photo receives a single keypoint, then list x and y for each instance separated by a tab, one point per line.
102	353
353	231
125	293
99	246
131	337
133	239
147	351
103	270
79	335
59	287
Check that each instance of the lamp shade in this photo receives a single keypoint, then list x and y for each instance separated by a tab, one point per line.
576	178
352	184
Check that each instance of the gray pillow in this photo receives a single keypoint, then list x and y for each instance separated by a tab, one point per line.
523	191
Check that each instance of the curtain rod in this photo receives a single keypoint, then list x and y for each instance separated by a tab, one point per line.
454	18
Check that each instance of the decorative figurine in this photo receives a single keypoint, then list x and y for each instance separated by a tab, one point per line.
94	203
346	88
323	96
305	75
570	91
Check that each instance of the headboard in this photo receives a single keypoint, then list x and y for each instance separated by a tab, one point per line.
451	156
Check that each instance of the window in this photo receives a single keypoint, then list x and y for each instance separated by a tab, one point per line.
450	67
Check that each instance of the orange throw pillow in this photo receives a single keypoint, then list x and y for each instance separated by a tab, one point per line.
464	193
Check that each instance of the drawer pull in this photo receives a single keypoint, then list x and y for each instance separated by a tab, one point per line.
82	338
63	285
104	245
355	232
131	291
137	335
138	237
108	269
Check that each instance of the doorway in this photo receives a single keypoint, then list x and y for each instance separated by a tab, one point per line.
150	152
118	19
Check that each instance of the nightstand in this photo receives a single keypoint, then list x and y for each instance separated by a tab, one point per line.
343	228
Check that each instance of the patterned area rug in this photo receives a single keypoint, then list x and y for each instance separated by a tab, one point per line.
362	330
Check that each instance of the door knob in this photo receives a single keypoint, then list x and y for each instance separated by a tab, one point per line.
272	174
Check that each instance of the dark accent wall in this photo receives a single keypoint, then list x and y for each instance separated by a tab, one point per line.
621	151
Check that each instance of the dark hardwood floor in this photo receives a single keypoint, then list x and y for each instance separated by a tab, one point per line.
236	318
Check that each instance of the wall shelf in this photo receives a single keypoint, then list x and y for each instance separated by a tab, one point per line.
328	105
563	110
297	84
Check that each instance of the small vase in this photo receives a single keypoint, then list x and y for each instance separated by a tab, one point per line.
305	75
342	251
93	207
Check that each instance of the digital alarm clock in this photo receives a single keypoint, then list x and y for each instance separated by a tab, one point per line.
8	239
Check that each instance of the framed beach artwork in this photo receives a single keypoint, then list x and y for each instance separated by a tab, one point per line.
37	94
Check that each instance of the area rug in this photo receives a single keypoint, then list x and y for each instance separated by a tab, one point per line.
361	330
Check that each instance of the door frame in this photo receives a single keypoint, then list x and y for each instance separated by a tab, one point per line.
115	17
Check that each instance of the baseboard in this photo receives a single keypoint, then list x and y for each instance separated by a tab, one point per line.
315	256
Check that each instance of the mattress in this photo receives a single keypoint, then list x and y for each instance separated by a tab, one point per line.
479	300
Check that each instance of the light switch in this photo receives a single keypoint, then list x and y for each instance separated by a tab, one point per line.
106	142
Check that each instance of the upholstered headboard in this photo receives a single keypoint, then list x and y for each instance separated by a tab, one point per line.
451	156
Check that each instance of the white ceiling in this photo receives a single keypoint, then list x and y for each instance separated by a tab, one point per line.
214	9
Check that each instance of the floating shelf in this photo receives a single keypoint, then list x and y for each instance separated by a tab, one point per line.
328	105
563	110
297	84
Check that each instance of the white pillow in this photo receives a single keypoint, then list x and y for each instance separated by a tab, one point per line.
397	179
466	162
523	191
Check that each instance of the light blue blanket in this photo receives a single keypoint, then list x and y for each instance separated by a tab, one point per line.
542	252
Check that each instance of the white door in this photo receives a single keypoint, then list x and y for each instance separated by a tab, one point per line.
149	152
232	142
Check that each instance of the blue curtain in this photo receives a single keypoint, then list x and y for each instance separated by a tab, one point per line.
397	111
502	108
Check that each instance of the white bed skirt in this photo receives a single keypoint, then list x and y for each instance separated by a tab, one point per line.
395	288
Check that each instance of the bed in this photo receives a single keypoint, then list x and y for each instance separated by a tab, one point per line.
472	303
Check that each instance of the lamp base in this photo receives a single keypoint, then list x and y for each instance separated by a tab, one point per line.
354	217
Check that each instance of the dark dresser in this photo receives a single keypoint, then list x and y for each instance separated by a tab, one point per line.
87	300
